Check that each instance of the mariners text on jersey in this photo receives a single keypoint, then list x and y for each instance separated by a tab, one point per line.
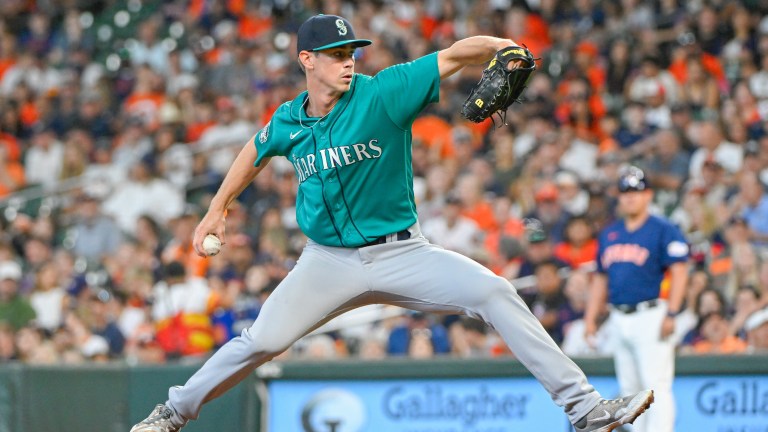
334	157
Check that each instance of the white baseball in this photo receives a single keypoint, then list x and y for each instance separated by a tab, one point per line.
211	245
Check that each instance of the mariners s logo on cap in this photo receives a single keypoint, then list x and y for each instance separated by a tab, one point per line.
342	28
322	32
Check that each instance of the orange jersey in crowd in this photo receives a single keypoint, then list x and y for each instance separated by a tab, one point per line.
574	256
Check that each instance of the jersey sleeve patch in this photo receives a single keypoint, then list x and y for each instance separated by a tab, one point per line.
264	133
677	249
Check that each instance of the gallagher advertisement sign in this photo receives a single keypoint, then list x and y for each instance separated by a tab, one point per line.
704	404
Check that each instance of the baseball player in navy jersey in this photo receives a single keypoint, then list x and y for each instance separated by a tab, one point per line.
634	254
349	139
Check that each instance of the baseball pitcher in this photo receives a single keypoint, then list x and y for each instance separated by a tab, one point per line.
349	139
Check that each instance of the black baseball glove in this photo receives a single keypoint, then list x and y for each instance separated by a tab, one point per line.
499	87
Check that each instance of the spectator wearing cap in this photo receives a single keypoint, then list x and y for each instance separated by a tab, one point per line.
93	235
453	231
103	309
757	331
538	248
15	310
549	212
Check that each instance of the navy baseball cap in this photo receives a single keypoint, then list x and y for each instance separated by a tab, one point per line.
633	179
327	31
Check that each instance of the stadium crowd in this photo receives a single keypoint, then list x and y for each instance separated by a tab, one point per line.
119	118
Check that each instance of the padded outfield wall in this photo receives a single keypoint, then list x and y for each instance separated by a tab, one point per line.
713	394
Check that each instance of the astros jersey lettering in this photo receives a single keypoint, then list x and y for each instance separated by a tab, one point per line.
354	165
641	256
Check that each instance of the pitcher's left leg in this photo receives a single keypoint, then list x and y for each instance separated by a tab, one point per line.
417	270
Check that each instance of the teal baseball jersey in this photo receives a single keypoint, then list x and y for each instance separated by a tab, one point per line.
354	164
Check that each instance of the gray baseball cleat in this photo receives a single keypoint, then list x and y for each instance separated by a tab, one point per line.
611	414
159	420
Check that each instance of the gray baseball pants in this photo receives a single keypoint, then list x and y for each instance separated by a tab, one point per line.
413	273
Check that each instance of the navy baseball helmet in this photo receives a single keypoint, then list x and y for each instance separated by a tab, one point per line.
327	31
633	179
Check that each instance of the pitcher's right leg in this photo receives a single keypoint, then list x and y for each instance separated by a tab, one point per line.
325	282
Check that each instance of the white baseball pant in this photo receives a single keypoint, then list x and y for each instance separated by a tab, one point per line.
643	360
413	273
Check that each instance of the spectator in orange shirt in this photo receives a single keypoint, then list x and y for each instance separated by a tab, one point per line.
716	338
585	58
474	205
580	245
436	134
527	28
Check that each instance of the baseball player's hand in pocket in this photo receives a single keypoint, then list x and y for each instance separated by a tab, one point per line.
212	223
667	327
